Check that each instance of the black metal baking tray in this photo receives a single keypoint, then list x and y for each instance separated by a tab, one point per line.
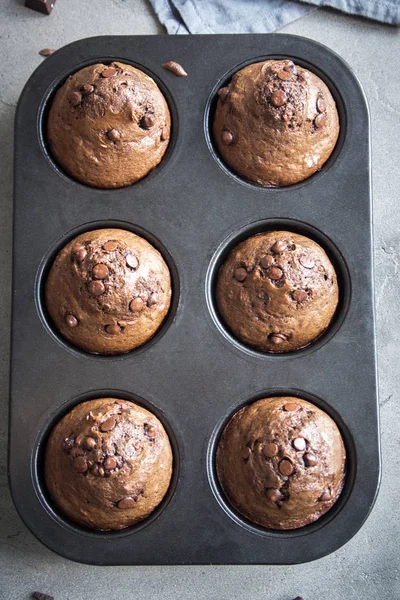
193	374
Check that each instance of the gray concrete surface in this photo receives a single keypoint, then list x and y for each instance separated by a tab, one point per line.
369	565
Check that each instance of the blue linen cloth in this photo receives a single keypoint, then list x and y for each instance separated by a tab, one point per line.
259	16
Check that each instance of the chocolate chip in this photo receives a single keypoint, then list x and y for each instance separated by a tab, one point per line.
95	470
240	274
75	98
299	443
286	467
271	450
110	463
273	495
89	443
285	75
306	261
68	444
290	407
175	68
113	329
279	246
132	261
100	271
80	464
114	135
127	502
71	321
275	273
320	120
277	338
266	261
110	246
108	424
147	122
151	431
290	67
164	133
101	471
87	89
40	595
246	452
46	51
109	72
227	137
43	6
278	98
310	459
96	288
153	299
223	93
136	305
299	295
321	106
326	495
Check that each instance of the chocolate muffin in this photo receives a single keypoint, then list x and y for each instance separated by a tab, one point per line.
108	464
108	125
277	291
275	123
108	291
281	462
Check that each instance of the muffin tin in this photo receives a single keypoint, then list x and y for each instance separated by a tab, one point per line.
193	374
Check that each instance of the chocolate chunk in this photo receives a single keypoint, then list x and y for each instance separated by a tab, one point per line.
223	93
310	459
89	443
80	464
43	6
136	305
246	452
127	502
153	299
113	135
175	68
285	75
147	122
271	450
46	51
240	274
299	443
71	321
321	106
227	137
320	120
266	261
101	471
279	246
275	273
113	329
96	288
100	271
273	495
326	495
299	295
75	98
290	407
164	133
132	261
306	261
277	338
109	72
40	595
108	424
286	467
110	246
68	444
151	431
278	98
110	463
87	89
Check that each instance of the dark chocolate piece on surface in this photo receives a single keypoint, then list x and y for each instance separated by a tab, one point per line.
43	6
40	596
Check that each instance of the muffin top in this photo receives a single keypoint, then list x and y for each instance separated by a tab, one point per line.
277	291
108	125
281	462
108	463
275	123
108	291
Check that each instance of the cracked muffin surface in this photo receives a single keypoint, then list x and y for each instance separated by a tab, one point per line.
108	291
275	123
108	125
277	291
108	463
281	462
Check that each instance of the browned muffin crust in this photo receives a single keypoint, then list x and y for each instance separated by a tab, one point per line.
108	463
275	123
109	125
108	291
277	291
281	462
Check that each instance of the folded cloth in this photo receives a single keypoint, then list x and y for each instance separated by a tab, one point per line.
258	16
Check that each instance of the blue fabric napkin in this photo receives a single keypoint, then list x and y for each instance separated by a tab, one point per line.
259	16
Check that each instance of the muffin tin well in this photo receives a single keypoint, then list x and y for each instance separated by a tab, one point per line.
193	374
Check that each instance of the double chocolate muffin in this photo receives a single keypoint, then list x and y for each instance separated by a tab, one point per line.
277	291
281	462
108	125
108	291
275	123
108	464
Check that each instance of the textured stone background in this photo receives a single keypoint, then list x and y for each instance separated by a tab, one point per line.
369	565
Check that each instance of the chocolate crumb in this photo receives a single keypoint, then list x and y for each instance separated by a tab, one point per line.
46	51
